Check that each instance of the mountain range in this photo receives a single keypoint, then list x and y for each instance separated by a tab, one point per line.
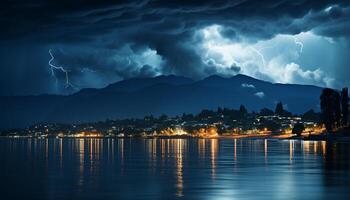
171	95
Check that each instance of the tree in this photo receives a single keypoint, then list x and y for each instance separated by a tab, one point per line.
279	109
243	111
344	106
326	108
311	115
337	109
270	125
298	129
163	117
219	111
187	117
204	114
330	108
149	118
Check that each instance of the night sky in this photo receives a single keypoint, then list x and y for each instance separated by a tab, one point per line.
100	42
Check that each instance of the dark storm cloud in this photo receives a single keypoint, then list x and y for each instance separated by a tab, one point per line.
103	61
74	20
18	74
166	27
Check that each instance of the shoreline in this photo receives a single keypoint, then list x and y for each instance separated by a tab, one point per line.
260	136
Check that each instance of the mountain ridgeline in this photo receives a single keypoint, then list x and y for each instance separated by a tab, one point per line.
171	95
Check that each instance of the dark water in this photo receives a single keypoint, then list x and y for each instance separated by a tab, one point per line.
173	169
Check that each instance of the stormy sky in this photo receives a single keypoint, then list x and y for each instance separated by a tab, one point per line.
94	43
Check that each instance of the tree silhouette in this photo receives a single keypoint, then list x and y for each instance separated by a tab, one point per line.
219	110
243	111
337	109
298	129
187	117
279	109
163	117
311	115
344	106
330	108
271	125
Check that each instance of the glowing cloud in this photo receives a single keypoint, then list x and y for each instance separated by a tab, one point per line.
260	94
274	60
246	85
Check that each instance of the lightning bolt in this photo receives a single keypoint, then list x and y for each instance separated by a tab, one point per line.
260	55
258	52
60	68
299	43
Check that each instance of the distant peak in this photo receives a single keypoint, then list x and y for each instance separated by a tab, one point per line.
169	76
166	76
245	77
242	75
219	77
214	77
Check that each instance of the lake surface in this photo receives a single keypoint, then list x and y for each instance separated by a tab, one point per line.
173	169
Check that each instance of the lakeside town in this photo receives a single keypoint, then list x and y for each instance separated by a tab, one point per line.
222	122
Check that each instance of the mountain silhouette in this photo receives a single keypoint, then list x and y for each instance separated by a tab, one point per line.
171	95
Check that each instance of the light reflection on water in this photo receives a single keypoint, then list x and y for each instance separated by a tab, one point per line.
173	168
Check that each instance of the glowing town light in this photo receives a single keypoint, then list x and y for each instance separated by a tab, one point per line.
173	132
